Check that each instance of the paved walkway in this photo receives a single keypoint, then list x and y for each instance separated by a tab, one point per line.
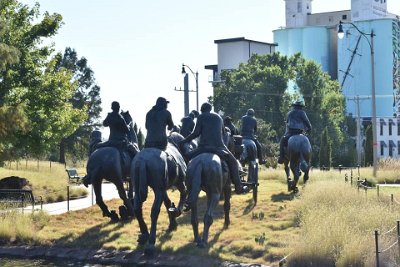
109	191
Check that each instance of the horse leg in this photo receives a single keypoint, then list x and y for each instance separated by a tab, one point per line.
128	205
182	197
171	216
99	201
155	211
296	175
144	232
227	205
195	223
212	202
287	171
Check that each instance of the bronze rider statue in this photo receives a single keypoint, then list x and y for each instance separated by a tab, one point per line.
249	129
209	127
296	123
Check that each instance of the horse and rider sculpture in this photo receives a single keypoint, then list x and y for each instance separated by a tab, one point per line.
204	157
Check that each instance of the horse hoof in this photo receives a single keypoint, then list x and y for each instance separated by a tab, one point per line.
186	207
149	250
123	213
143	239
114	216
174	212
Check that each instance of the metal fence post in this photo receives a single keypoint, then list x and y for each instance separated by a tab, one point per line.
92	196
398	236
376	248
68	198
23	203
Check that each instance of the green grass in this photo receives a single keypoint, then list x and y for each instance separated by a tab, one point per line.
48	181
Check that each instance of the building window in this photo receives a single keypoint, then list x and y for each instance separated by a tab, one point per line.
390	128
381	129
391	147
398	147
398	127
344	16
383	145
299	7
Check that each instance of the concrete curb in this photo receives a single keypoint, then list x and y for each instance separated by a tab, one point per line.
104	256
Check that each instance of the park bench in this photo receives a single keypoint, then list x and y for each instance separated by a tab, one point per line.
73	175
16	198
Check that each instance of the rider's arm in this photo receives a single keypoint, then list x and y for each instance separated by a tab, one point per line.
170	122
106	121
196	132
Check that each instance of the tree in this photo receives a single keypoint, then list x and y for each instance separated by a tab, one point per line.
259	84
85	97
325	150
12	118
40	91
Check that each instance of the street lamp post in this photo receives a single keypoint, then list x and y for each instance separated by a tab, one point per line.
373	93
196	76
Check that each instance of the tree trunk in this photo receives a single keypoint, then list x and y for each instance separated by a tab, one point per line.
62	152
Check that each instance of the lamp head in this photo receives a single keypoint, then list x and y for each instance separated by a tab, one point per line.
183	69
340	32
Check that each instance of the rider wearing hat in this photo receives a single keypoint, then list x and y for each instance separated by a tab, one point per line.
209	127
249	130
297	122
157	119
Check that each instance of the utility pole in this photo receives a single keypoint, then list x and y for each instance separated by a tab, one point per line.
357	99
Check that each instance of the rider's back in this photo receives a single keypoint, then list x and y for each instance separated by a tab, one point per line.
249	126
211	126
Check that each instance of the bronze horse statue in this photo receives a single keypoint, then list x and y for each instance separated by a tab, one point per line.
297	158
207	172
160	171
107	162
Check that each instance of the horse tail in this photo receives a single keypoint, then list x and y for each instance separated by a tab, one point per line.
142	186
196	183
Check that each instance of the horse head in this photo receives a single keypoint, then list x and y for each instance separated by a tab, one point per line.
176	139
129	121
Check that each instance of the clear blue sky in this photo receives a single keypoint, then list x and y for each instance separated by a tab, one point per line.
136	48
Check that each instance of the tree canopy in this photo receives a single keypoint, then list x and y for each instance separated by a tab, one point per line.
42	101
269	83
